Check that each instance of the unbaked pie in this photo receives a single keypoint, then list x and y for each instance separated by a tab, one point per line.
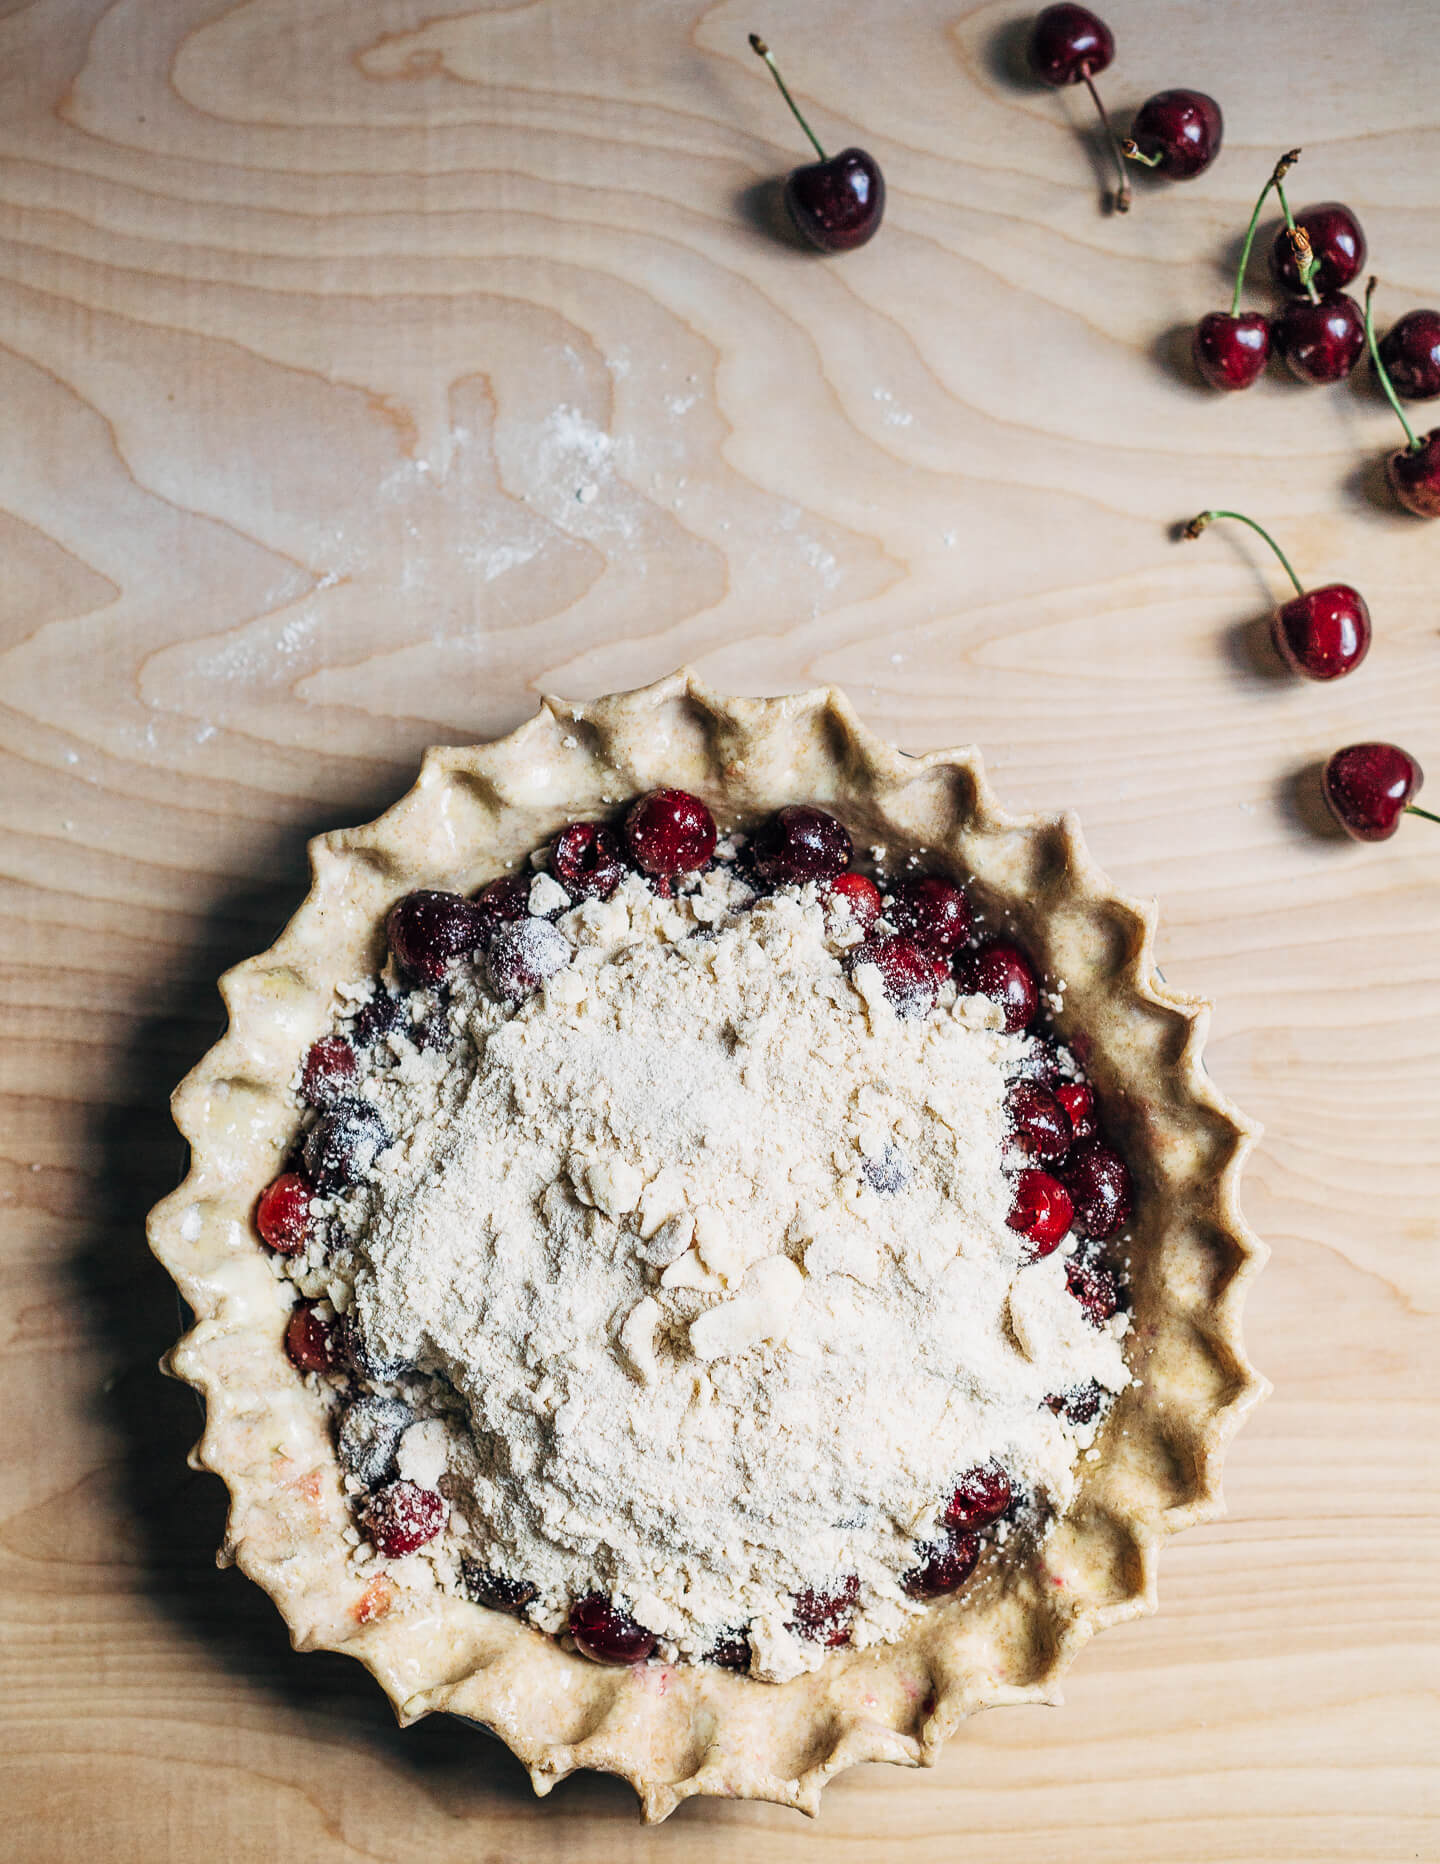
714	1255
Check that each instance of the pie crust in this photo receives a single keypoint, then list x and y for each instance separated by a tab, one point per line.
674	1731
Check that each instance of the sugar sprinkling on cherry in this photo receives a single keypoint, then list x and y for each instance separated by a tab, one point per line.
1410	351
1321	633
329	1071
523	955
981	1496
1098	1181
1001	972
1176	133
861	897
608	1635
1070	45
910	976
1041	1211
1370	786
503	901
839	201
670	832
1039	1122
823	1616
1094	1288
944	1567
1078	1100
588	860
283	1214
312	1343
1231	348
1414	469
429	929
1331	254
403	1517
932	910
344	1143
798	844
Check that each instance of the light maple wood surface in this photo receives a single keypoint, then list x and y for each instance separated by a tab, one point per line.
366	370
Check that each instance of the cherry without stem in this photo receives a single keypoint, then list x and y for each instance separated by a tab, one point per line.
608	1635
1041	1212
798	844
1370	786
838	202
1069	45
1414	469
944	1567
1410	352
1323	633
1176	133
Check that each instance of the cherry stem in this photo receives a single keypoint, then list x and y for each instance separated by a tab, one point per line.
1415	809
1197	525
1300	240
1282	169
1380	368
1132	152
1122	193
762	50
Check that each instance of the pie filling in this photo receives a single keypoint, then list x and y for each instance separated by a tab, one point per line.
704	1251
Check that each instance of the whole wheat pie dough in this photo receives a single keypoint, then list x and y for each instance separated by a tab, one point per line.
703	1330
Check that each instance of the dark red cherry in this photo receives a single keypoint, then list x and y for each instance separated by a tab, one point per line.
909	974
1337	242
1002	973
1094	1288
1078	1100
380	1017
1068	44
1410	351
329	1071
429	930
311	1342
497	1590
944	1567
403	1516
1040	1124
823	1617
1414	475
838	202
670	832
799	843
730	1651
1324	633
1080	1405
503	901
283	1214
1231	352
1099	1183
523	955
981	1496
588	860
1177	133
932	910
862	897
1321	342
608	1635
1370	786
1041	1211
343	1144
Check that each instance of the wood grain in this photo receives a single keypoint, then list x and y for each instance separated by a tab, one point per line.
367	370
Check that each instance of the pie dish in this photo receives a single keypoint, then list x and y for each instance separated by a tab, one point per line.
341	1407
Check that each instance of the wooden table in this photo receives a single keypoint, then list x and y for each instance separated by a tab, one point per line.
368	370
